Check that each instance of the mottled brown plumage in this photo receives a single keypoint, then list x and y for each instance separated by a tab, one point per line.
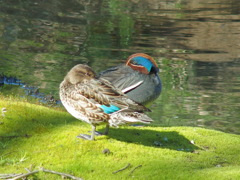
97	101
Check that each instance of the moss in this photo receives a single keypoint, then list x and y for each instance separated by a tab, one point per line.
38	136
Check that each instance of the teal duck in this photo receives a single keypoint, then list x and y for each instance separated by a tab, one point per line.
96	101
138	78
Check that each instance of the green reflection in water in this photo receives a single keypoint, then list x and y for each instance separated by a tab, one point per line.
190	99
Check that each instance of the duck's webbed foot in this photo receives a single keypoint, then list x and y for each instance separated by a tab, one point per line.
88	137
85	136
94	133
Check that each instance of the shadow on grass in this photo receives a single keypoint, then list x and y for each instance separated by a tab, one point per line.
158	139
23	121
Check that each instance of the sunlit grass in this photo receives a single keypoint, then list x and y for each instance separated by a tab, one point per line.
34	136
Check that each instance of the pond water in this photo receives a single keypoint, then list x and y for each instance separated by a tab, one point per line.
195	43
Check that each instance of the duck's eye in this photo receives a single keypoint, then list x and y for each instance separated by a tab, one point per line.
89	74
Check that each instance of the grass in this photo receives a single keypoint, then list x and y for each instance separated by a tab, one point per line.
33	136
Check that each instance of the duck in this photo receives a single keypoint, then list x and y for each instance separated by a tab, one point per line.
138	78
96	101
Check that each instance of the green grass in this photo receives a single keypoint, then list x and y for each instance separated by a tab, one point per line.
36	136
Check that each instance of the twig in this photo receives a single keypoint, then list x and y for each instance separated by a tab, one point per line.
24	175
5	176
25	178
135	169
61	174
27	169
122	168
19	176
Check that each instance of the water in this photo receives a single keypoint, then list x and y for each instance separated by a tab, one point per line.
196	44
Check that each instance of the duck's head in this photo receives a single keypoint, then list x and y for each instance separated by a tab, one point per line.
78	73
143	63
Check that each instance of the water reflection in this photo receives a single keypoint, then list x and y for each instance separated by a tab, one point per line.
196	44
12	85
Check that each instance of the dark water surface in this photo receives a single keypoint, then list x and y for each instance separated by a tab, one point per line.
196	44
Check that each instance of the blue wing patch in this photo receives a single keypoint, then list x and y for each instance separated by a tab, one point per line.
110	109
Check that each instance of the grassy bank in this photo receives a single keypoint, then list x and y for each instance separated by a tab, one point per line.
33	136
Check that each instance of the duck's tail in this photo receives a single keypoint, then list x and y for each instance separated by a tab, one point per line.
121	118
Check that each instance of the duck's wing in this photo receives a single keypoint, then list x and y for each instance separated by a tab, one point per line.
78	100
122	77
117	98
